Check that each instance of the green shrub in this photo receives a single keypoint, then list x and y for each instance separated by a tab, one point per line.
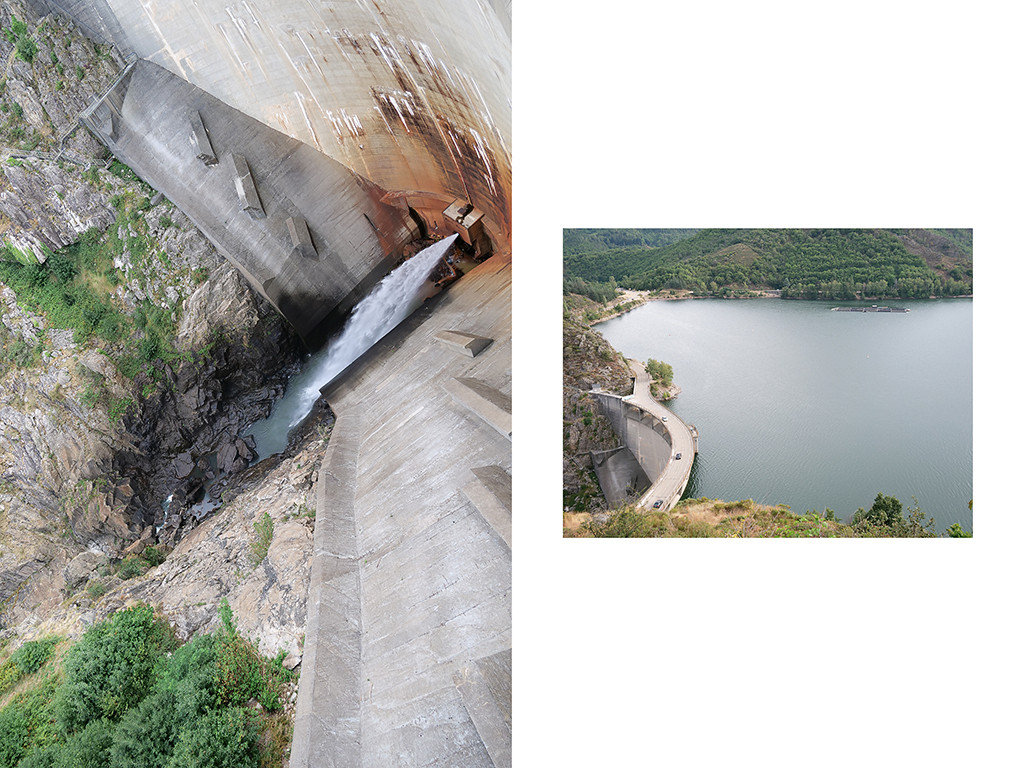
33	654
222	739
89	748
145	736
130	568
242	673
26	49
9	676
112	668
79	72
956	532
27	722
153	556
40	757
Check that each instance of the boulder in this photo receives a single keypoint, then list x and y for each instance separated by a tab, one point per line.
81	568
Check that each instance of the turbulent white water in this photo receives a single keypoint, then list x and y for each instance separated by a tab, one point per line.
394	298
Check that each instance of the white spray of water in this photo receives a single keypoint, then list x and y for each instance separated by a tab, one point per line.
394	298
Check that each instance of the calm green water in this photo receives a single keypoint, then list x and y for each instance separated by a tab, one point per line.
800	405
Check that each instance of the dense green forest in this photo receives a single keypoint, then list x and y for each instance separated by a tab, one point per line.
590	240
802	263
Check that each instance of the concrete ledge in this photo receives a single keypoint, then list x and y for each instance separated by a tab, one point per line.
463	343
200	140
245	187
491	494
486	690
298	230
485	401
328	709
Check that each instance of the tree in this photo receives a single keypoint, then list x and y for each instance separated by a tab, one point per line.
660	371
886	510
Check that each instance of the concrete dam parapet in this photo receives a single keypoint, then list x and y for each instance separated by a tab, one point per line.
306	232
414	522
663	445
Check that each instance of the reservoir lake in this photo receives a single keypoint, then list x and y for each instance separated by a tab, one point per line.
799	405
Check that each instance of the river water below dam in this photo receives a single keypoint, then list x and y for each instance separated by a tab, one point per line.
390	302
800	405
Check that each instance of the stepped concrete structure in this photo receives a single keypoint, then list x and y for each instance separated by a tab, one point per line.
312	142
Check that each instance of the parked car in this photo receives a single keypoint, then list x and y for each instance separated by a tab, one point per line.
679	456
657	504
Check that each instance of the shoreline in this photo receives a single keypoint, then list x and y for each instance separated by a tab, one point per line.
636	299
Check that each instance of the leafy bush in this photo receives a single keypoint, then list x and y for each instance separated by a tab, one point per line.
153	556
33	654
26	722
956	532
90	748
222	739
242	673
145	736
26	49
9	676
125	702
130	568
112	668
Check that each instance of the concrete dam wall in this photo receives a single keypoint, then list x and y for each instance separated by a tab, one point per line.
646	437
306	232
414	95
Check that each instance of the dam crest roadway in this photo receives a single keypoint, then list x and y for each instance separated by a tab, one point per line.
654	436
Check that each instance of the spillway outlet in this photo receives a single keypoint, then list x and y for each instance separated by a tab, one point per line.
469	223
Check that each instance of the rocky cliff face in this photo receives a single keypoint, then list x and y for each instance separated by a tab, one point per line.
48	81
587	361
112	416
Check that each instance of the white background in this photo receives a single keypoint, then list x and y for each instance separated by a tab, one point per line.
744	114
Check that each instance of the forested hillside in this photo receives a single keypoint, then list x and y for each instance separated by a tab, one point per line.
591	240
802	263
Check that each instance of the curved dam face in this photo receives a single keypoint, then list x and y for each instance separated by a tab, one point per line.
414	95
306	232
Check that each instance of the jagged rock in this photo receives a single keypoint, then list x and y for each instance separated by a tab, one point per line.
183	465
48	206
135	549
81	568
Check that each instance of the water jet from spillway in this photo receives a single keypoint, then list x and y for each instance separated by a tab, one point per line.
394	298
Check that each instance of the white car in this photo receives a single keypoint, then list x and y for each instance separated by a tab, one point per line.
664	418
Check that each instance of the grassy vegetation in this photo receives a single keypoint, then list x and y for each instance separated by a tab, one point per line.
75	289
26	660
264	529
128	695
707	518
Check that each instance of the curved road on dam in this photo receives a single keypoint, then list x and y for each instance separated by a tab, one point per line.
670	484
